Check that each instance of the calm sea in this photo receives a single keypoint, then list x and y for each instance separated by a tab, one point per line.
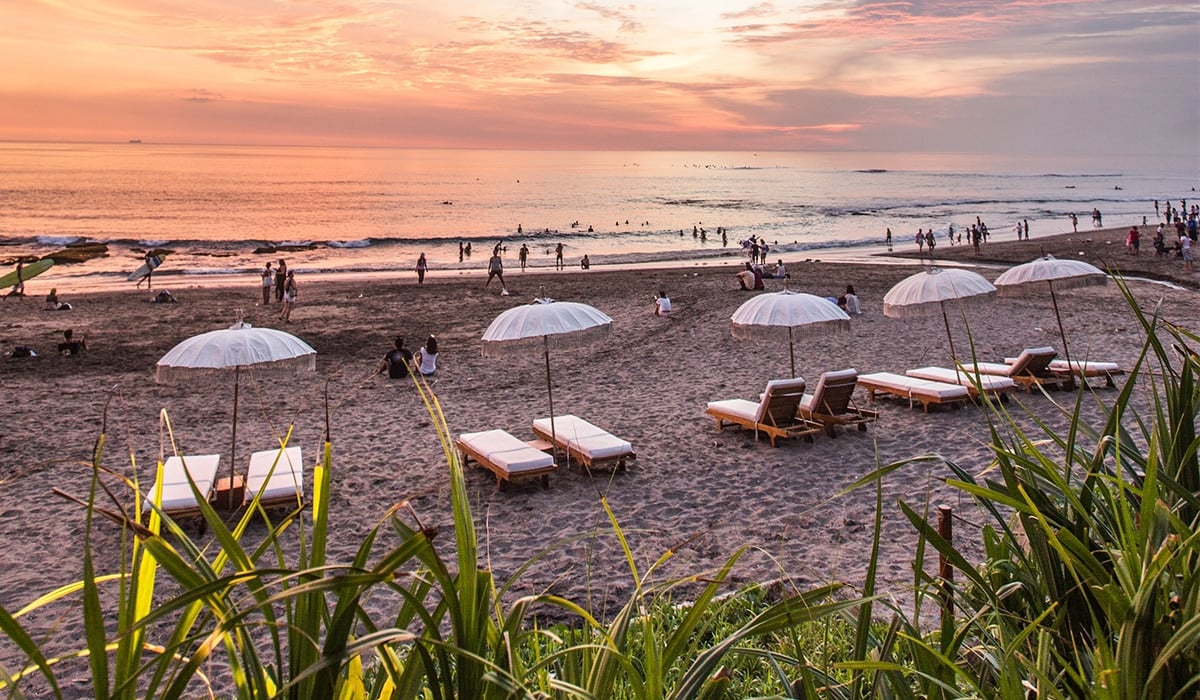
377	209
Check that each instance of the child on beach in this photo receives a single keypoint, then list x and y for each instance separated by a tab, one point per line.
426	358
72	345
662	305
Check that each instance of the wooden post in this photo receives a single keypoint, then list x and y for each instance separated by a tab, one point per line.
945	571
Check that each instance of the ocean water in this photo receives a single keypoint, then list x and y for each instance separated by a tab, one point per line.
220	209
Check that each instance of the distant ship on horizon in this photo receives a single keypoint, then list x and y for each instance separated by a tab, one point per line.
135	140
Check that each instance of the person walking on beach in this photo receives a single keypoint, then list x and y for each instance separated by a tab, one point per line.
460	251
268	281
290	293
18	289
887	238
496	269
930	241
1074	222
558	258
523	256
1026	229
1185	250
151	263
280	279
421	267
920	239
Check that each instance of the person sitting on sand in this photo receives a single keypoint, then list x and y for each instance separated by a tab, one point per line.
780	271
585	263
750	279
426	358
52	302
849	301
397	362
662	305
164	296
72	345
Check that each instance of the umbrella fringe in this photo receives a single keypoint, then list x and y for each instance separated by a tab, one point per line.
556	341
1043	286
166	374
756	332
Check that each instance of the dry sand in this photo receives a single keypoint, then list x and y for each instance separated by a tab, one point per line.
692	487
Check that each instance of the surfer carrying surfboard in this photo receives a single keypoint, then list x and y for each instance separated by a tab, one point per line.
18	288
152	262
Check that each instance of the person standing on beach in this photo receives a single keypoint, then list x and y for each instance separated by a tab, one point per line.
1074	222
930	241
496	269
1185	249
523	255
281	273
151	263
1026	229
558	258
421	267
268	281
460	251
290	293
887	239
920	239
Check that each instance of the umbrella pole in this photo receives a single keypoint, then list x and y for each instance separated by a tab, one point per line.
550	394
237	371
949	337
1063	335
792	352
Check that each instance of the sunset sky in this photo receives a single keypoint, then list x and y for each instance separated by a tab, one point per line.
1013	76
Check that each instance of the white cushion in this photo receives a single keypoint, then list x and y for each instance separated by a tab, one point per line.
594	442
1088	367
286	480
987	382
746	410
505	451
914	386
177	492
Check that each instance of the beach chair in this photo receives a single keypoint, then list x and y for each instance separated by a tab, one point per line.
1030	369
505	456
178	499
1083	370
990	384
278	475
775	413
830	402
584	442
926	391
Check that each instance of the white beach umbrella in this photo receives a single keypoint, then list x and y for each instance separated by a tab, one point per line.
787	314
928	291
1046	273
234	348
548	323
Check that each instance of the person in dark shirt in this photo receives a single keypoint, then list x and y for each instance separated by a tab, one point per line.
71	345
397	362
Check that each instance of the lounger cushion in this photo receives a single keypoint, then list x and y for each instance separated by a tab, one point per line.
506	452
998	369
595	443
987	382
914	386
1088	367
741	408
177	492
286	481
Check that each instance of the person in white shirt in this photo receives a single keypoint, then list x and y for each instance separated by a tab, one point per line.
426	357
849	301
662	305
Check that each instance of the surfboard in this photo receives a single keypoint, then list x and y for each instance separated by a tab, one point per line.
146	268
29	271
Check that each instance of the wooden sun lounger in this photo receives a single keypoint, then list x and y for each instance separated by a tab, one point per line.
178	499
989	384
830	404
1030	369
924	390
1085	370
505	456
585	443
774	414
279	475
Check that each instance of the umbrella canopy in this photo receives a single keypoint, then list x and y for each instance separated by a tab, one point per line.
240	345
928	291
1045	274
547	323
787	314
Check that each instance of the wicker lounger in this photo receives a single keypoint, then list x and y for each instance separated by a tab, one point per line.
924	390
774	414
989	384
830	404
505	456
584	442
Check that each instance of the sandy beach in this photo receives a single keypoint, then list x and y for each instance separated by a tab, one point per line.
693	488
